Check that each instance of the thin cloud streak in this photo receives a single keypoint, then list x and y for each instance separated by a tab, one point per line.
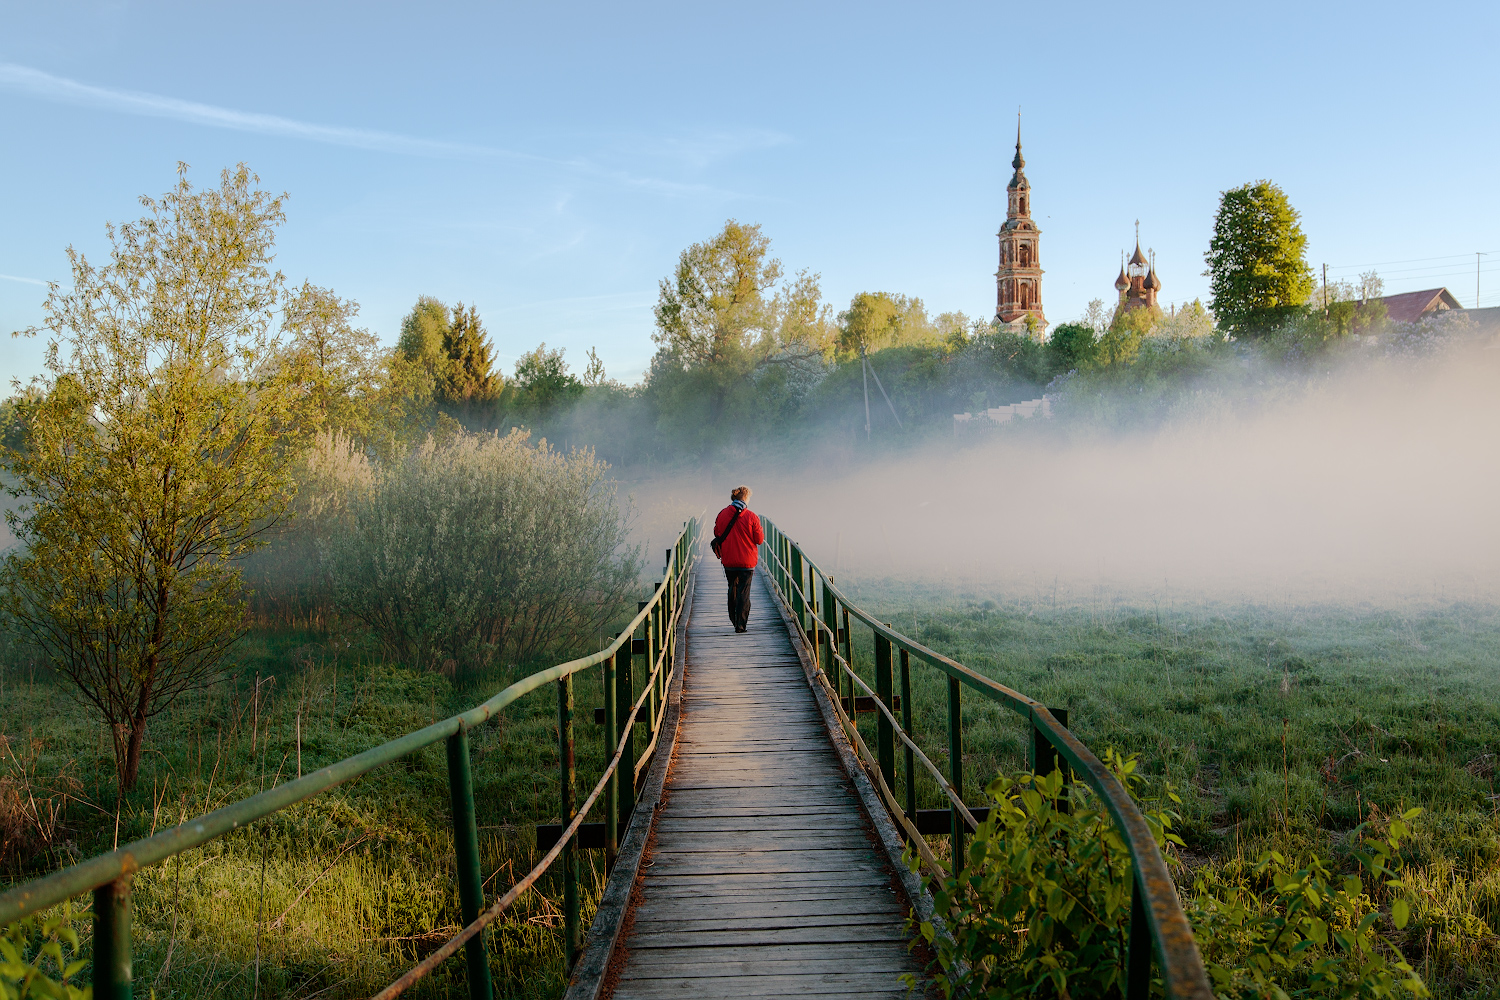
45	86
16	277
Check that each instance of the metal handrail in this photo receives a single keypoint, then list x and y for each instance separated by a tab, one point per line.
1157	926
109	875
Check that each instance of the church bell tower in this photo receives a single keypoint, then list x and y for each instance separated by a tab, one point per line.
1018	283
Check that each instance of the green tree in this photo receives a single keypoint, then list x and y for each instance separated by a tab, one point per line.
593	374
1121	343
1189	321
424	335
468	375
878	320
543	380
340	367
155	456
1256	266
1072	346
721	323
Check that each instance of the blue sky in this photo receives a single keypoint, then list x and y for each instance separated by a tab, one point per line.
549	162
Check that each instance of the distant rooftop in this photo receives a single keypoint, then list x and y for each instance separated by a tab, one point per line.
1408	307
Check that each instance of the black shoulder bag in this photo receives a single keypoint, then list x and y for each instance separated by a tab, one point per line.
718	541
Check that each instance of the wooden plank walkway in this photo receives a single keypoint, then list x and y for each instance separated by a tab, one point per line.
761	880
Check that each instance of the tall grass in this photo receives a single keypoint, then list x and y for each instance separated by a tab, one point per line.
335	896
1281	727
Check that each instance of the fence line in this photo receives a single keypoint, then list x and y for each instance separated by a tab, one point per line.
108	876
1158	926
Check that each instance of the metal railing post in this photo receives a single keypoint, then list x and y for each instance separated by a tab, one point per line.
112	940
656	643
624	700
466	854
849	659
611	738
650	705
956	769
911	759
799	606
1138	971
831	624
885	733
571	938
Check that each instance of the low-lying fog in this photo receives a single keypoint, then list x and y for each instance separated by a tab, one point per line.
1373	484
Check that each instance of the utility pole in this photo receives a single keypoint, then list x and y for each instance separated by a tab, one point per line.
1325	291
1476	279
864	367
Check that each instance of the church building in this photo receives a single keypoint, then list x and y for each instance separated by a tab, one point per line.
1137	283
1018	283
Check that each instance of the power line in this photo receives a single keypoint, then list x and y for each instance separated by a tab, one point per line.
1410	260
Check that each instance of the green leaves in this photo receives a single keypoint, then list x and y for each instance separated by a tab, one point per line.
1256	265
1308	933
156	455
39	957
1043	907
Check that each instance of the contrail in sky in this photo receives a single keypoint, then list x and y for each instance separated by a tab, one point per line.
60	89
16	277
47	87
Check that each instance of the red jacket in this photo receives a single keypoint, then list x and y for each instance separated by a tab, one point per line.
739	549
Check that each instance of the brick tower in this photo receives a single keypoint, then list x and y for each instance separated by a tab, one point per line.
1018	283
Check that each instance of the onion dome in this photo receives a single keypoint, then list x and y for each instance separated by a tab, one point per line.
1152	281
1122	282
1137	257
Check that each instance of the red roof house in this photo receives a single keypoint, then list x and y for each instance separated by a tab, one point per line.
1408	307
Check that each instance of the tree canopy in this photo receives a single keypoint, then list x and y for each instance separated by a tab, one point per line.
156	450
723	320
877	320
1256	266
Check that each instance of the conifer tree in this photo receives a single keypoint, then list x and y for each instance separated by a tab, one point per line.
469	376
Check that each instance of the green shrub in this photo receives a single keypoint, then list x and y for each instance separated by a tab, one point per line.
39	957
1042	907
1308	931
482	547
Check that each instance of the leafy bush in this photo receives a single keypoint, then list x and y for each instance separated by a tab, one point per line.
1307	931
1042	907
39	957
484	546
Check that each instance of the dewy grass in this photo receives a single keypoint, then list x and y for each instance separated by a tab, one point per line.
1382	709
358	882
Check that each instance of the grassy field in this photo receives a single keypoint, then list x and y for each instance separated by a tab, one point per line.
334	897
1281	727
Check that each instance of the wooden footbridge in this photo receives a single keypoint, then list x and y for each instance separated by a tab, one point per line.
754	838
763	876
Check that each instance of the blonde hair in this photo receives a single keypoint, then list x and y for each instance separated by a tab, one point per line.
740	493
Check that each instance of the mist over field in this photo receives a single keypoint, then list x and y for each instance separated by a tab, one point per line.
1375	482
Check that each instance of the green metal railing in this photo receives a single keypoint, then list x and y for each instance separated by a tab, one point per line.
1157	924
108	876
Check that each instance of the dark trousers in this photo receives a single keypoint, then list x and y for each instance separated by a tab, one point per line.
739	595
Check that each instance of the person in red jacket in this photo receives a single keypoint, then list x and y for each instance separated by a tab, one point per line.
739	534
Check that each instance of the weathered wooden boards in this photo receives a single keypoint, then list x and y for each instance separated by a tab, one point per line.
762	881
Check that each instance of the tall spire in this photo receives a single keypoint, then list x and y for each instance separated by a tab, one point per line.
1019	161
